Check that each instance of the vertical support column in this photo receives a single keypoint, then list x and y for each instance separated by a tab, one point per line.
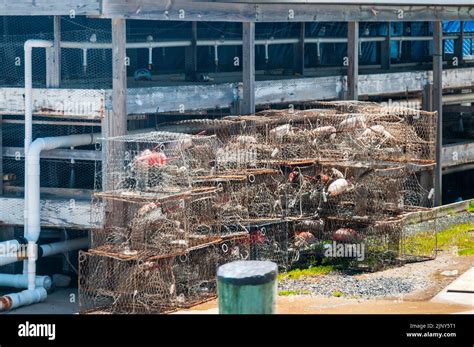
190	58
248	68
385	49
427	97
406	46
353	57
1	156
438	106
299	51
117	124
53	57
458	44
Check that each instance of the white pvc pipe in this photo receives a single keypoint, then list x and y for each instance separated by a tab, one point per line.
45	251
28	48
9	246
11	258
32	190
26	297
64	246
21	281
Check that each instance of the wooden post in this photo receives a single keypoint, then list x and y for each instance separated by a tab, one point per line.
427	97
53	57
385	49
1	156
406	52
458	45
353	57
247	287
115	122
248	68
299	51
190	56
438	106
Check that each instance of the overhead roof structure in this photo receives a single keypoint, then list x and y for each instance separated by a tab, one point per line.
247	10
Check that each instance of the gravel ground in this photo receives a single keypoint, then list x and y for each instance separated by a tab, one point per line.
440	224
355	286
414	281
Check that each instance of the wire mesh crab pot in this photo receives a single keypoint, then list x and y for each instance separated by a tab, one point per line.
118	283
195	271
155	162
269	241
373	191
363	244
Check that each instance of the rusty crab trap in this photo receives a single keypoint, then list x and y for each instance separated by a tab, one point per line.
125	284
143	283
195	271
269	241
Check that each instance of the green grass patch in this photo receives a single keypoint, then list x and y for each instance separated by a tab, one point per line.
293	292
311	271
460	236
337	293
470	208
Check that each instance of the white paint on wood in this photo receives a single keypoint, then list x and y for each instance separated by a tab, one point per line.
80	103
54	213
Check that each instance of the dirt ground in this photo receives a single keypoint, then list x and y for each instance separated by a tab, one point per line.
414	303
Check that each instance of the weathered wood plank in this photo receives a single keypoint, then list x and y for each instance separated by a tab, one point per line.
458	154
75	214
53	57
80	103
215	96
177	98
353	60
49	7
248	68
283	12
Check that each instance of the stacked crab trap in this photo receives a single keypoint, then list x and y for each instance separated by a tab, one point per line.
280	185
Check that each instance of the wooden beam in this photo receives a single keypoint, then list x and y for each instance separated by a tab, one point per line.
427	97
458	154
117	120
385	49
299	51
64	103
248	68
50	7
53	57
406	45
190	56
61	213
353	61
458	45
219	11
438	106
1	157
458	109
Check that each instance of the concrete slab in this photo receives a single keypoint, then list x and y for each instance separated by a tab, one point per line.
460	291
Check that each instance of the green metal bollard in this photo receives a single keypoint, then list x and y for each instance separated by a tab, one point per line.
247	287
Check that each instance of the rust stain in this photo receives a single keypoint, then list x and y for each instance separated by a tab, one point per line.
6	302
